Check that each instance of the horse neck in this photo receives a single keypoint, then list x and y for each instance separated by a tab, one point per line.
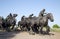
13	17
50	16
45	18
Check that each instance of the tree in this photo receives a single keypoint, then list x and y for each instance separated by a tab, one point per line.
56	26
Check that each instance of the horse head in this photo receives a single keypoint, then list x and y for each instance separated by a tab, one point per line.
50	16
15	15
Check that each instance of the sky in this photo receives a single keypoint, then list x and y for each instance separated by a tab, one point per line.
27	7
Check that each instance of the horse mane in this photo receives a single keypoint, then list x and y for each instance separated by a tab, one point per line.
49	13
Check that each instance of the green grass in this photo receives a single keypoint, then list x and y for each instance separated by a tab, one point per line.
55	30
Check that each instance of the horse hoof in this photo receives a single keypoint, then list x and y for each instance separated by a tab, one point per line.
31	33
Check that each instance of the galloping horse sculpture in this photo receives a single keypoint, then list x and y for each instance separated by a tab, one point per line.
41	22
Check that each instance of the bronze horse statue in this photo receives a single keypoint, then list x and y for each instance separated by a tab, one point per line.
44	22
41	23
25	22
10	21
1	22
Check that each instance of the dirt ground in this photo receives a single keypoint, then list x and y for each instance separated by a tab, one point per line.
26	35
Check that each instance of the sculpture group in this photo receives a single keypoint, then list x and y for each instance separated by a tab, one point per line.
32	23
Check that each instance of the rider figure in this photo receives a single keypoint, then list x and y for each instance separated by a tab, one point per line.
9	16
22	18
41	14
31	16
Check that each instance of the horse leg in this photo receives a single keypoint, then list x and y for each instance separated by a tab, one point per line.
31	30
28	27
8	29
1	26
41	30
48	29
12	27
36	29
22	27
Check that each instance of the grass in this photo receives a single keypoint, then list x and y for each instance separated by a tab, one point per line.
55	29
